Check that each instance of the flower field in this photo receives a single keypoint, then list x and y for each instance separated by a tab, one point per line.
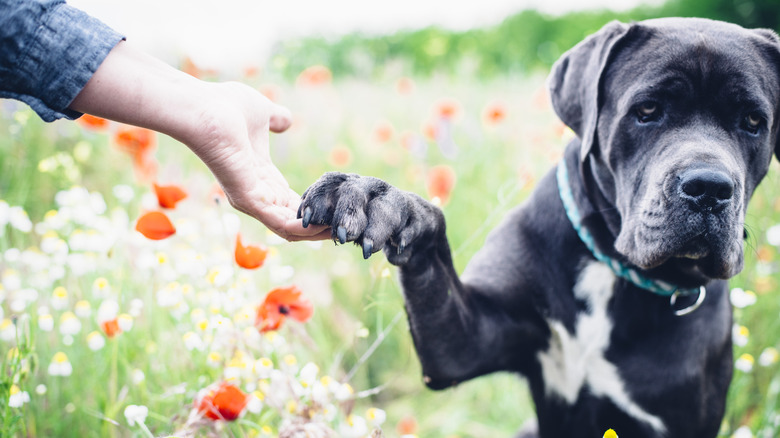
135	302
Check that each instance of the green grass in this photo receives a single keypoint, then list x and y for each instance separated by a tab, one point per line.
355	300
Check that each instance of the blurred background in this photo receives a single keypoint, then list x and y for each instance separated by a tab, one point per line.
363	38
105	332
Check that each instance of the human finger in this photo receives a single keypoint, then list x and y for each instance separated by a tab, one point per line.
281	118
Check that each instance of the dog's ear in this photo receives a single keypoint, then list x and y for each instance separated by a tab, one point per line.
576	78
772	51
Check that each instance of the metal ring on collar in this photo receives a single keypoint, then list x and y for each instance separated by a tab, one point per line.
692	307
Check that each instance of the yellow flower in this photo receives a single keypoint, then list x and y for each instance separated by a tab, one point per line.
7	330
95	341
740	335
83	309
125	322
60	365
245	315
745	363
69	324
17	398
100	287
162	258
193	342
375	417
46	322
214	359
263	367
59	298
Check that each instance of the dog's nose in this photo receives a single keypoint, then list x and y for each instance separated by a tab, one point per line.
706	189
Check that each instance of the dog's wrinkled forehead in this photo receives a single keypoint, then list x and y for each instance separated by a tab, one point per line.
645	54
707	57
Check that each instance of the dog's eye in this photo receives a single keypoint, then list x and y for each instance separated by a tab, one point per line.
752	122
647	111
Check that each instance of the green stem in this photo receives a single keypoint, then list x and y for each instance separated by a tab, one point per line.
112	407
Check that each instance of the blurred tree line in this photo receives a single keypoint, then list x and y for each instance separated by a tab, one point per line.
522	43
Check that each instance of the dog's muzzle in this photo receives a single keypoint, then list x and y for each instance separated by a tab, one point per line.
706	190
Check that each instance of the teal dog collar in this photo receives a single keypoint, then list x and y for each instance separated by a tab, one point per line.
620	269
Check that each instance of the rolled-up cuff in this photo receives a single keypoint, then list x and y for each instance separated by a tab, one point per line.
64	52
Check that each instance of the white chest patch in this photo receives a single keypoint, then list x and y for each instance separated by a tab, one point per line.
575	360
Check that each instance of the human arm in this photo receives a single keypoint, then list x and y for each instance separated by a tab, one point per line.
62	63
226	124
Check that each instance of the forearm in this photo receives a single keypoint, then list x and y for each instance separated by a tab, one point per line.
134	88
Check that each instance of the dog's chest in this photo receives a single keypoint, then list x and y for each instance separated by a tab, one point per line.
575	361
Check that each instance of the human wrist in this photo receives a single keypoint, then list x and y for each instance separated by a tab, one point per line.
134	88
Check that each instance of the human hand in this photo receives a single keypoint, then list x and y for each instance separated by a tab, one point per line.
233	141
226	124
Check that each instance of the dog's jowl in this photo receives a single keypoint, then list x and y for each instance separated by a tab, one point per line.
607	288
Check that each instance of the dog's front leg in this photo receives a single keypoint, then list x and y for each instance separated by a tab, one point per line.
460	330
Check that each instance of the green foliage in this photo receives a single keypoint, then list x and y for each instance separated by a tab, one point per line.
525	42
748	13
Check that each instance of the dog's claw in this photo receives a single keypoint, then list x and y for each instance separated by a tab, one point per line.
341	232
368	247
401	248
307	217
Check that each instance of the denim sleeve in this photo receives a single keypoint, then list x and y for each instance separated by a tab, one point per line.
48	52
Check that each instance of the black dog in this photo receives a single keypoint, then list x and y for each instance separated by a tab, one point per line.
606	288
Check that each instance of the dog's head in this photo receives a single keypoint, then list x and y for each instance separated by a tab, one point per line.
677	119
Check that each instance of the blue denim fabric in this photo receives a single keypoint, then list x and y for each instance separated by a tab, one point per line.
48	52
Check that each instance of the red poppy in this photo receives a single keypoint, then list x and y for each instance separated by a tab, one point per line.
169	196
340	156
138	142
155	226
765	254
225	402
250	256
447	109
441	181
92	122
251	71
281	303
383	132
407	425
315	75
189	67
111	328
494	113
216	194
404	85
430	131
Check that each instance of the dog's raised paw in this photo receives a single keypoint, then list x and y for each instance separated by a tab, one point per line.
369	212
